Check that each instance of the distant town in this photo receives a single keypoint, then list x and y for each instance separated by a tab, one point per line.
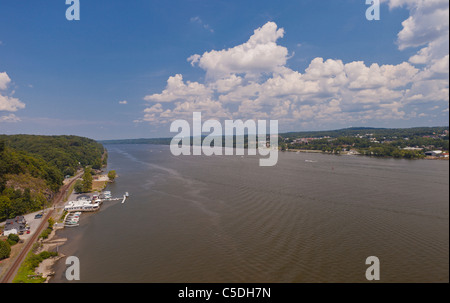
423	142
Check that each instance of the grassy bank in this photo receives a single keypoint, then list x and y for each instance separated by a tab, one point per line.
26	272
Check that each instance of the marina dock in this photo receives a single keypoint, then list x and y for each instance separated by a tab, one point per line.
125	197
87	204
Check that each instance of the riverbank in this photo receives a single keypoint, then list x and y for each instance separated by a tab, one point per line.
37	266
356	153
100	182
33	245
305	151
9	270
47	267
52	243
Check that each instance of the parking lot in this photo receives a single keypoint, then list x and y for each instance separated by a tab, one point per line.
32	222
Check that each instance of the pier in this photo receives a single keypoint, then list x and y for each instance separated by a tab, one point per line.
86	204
116	199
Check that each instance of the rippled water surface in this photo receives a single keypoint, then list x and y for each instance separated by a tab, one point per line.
226	219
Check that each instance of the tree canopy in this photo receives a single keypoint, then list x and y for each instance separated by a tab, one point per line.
112	175
32	168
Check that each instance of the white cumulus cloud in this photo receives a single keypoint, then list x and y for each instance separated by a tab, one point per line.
11	118
252	80
4	80
258	55
8	103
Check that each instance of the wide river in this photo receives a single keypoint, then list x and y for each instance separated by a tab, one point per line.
310	218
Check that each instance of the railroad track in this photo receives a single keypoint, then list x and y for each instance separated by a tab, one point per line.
10	273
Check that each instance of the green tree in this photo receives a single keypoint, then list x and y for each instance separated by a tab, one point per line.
87	180
13	239
97	164
5	250
78	187
51	222
112	175
69	171
5	208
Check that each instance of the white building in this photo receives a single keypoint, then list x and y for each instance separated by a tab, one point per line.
16	226
82	205
433	153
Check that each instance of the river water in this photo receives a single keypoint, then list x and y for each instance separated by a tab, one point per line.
310	218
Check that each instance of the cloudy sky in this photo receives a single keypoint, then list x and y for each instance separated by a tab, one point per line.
128	69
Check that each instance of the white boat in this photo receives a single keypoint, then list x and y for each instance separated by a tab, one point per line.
71	224
82	205
107	195
72	218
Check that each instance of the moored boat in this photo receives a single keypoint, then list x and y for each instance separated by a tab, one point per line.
82	205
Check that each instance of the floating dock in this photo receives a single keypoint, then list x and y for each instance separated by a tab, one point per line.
123	198
75	208
71	219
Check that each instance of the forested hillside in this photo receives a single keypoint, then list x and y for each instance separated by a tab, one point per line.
32	168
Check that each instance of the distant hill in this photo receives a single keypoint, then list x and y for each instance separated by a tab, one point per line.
163	141
352	131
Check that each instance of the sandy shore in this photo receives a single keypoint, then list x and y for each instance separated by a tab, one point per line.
45	268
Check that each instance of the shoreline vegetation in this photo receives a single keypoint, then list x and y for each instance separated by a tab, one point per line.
33	170
407	143
99	182
38	266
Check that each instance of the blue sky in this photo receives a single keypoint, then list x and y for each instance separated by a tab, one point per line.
68	77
